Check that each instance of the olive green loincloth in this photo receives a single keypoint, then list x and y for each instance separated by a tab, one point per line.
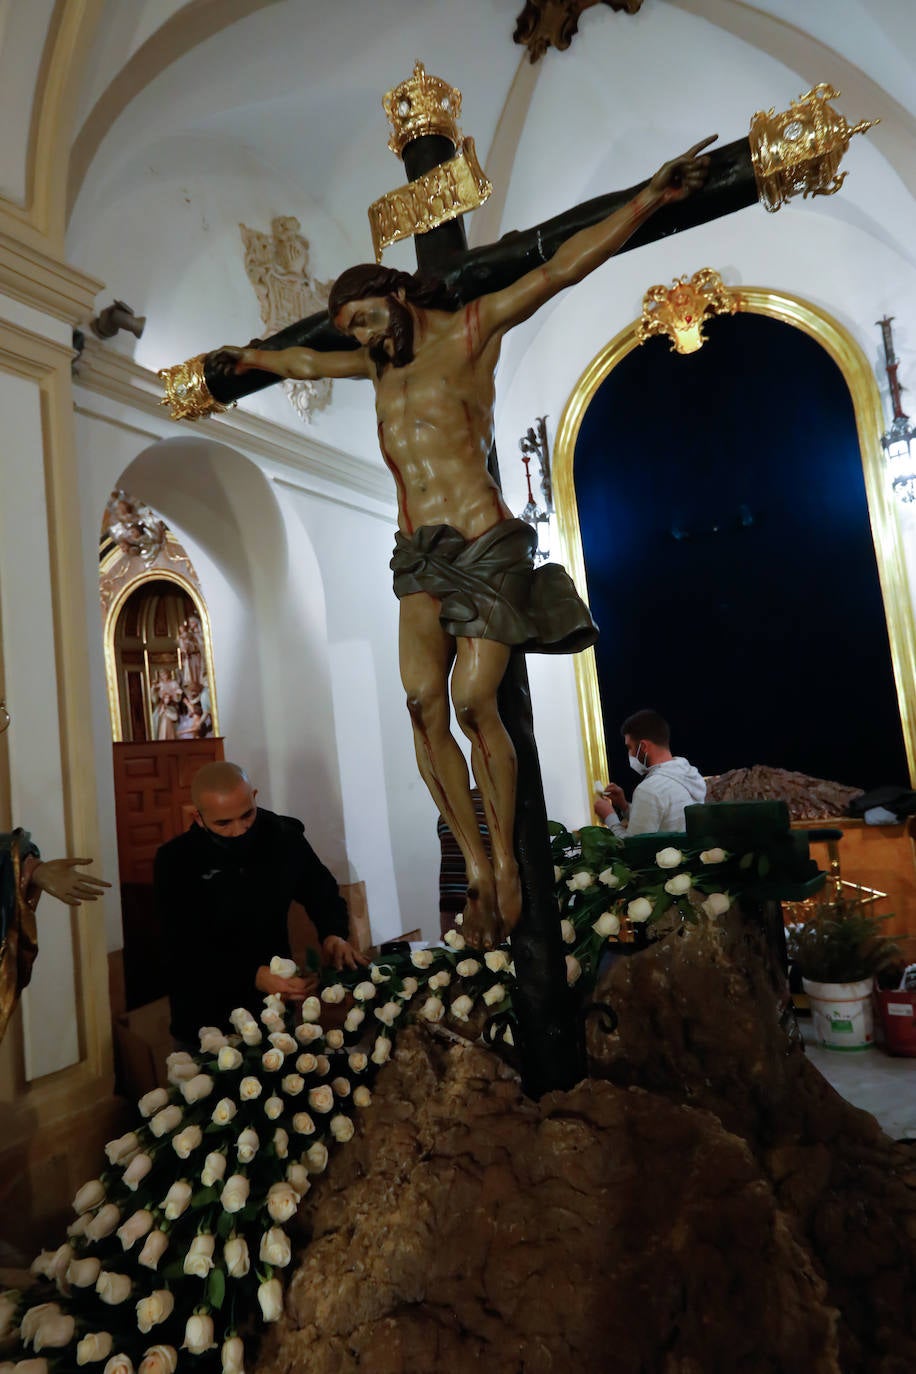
490	589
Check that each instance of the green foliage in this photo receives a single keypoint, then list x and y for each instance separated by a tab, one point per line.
841	943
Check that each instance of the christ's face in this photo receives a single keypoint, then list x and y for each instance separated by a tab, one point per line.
368	320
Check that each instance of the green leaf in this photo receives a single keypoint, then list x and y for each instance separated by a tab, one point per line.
764	865
746	861
204	1197
216	1288
224	1225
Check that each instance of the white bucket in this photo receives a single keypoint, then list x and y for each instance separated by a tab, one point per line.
842	1014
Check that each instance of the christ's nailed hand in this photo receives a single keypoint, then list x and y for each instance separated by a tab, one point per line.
682	175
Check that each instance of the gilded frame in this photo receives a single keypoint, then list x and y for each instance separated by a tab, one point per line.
866	399
154	574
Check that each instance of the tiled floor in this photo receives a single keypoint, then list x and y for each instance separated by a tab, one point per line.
873	1080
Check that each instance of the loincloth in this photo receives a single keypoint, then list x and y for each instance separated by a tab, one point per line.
489	587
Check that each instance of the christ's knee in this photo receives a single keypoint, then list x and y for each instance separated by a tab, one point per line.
428	709
475	713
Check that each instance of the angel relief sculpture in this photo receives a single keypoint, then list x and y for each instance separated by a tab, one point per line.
278	268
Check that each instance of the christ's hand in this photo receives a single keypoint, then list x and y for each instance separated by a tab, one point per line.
677	179
231	359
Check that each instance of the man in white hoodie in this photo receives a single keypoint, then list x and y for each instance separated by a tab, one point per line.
669	782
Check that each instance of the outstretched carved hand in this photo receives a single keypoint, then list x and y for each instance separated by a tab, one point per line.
59	878
677	179
229	359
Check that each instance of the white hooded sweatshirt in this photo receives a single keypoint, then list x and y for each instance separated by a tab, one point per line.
659	800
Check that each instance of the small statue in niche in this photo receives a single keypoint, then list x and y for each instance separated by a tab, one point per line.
190	643
167	695
135	527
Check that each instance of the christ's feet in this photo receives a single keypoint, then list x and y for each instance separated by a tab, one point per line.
481	923
508	895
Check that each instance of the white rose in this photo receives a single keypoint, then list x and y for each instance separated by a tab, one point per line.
275	1247
235	1193
409	988
283	1042
422	958
669	858
176	1199
713	856
455	940
198	1335
113	1288
306	1063
640	909
271	1019
122	1150
232	1356
358	1061
334	1039
316	1158
196	1088
235	1253
274	1002
342	1128
568	931
310	1012
322	1065
364	992
89	1196
717	903
154	1310
321	1099
240	1017
251	1033
573	969
308	1033
281	1143
273	1107
186	1141
159	1359
362	1097
214	1168
335	993
580	881
557	873
82	1273
390	1012
382	1050
223	1112
199	1260
607	924
154	1247
251	1087
246	1147
679	885
272	1060
53	1264
32	1319
303	1124
96	1346
179	1074
341	1086
440	980
229	1058
211	1039
496	960
282	1201
355	1018
104	1222
380	973
270	1298
54	1332
433	1009
293	1084
28	1367
178	1059
166	1120
134	1228
462	1007
494	994
468	968
78	1227
117	1364
284	968
297	1175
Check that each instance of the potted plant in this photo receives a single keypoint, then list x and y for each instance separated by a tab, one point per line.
839	951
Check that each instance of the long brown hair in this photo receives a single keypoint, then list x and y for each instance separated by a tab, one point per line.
370	279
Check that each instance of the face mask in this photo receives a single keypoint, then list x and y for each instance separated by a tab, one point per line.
238	846
636	763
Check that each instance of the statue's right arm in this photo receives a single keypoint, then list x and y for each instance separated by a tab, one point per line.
300	364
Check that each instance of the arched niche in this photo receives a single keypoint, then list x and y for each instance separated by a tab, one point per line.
836	341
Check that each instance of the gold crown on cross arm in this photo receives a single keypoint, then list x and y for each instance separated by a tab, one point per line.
422	104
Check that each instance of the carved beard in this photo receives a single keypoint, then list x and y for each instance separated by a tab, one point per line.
400	332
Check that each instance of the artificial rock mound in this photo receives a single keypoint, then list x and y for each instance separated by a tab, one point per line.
613	1227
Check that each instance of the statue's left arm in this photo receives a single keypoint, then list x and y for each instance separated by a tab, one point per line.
590	247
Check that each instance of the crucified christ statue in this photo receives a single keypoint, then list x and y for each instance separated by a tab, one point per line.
463	565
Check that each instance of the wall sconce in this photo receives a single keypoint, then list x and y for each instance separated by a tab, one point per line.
899	441
533	444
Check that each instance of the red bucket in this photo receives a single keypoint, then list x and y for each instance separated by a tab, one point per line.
898	1017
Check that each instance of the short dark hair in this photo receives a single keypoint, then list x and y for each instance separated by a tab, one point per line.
371	279
648	725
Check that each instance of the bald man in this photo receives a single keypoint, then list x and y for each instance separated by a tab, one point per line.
223	891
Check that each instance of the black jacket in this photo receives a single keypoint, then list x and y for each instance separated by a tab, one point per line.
222	913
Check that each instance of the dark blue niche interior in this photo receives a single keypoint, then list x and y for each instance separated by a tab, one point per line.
730	560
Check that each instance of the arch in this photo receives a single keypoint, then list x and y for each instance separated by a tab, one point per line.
839	344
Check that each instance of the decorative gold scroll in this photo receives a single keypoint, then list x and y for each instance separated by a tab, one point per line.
798	151
186	390
680	310
444	193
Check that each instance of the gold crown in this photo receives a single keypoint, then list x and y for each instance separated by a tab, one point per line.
422	105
